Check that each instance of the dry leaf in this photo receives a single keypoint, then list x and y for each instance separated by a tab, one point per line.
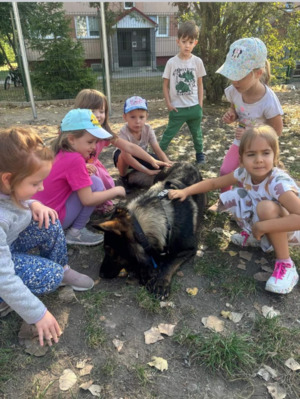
159	363
264	374
86	370
102	318
262	276
118	344
153	335
225	314
34	348
180	274
200	253
86	385
167	304
292	364
269	312
276	391
263	261
273	372
232	253
80	364
213	323
241	266
67	294
267	269
95	390
242	261
192	291
245	255
28	331
236	317
167	329
67	380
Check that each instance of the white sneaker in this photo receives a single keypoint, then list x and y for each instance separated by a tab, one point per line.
283	279
84	237
244	239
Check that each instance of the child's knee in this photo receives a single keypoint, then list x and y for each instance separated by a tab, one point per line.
267	210
97	184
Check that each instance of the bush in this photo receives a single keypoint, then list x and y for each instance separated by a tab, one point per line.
62	73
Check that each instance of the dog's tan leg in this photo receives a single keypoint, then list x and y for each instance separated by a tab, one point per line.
161	285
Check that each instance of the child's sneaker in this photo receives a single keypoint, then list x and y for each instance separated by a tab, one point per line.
283	279
78	281
244	239
200	158
84	237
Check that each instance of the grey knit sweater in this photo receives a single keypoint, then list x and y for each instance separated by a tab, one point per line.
13	220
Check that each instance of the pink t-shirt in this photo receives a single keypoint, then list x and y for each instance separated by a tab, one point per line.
99	147
68	174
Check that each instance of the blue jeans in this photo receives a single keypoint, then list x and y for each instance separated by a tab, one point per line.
41	274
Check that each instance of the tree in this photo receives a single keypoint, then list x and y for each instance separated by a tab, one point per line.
222	23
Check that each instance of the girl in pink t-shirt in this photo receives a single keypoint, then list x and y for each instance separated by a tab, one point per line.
96	101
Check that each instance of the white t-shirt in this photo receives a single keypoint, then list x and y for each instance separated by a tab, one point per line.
147	136
183	76
256	114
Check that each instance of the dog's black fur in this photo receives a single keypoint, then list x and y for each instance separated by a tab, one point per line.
123	242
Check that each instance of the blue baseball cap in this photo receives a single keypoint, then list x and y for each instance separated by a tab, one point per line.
244	55
79	119
135	102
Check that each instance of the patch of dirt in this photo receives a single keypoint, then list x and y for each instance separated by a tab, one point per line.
126	374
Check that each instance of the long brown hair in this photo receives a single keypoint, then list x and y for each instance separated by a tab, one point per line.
61	142
267	133
22	152
94	99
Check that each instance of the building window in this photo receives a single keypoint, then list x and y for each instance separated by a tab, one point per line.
289	6
128	5
86	27
163	24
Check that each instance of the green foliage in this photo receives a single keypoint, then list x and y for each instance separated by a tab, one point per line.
61	73
221	24
148	301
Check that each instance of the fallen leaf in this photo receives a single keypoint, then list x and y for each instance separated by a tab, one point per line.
167	304
118	344
95	390
242	261
102	318
225	314
200	253
80	364
241	266
34	348
167	329
67	380
232	253
273	372
153	335
213	323
110	324
192	291
86	370
159	363
117	295
292	364
267	269
263	261
269	312
67	294
218	230
262	276
86	385
236	317
245	255
264	374
276	391
257	307
28	331
180	274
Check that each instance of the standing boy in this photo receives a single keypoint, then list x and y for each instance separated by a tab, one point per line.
183	89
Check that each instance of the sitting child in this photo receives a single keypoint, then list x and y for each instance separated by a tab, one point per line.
138	132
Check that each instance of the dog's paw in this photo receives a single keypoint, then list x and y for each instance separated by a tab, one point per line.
160	287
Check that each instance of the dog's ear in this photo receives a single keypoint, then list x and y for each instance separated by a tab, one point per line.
115	226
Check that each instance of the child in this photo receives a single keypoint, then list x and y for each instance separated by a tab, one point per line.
69	189
96	101
25	224
138	132
267	205
253	103
183	89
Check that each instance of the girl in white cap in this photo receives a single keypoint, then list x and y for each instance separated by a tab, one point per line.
253	103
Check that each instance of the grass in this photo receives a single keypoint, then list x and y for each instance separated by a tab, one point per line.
237	286
142	374
94	332
110	367
148	301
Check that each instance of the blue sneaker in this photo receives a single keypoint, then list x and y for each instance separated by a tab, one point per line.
200	158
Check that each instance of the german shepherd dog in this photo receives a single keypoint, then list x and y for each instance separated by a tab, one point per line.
152	236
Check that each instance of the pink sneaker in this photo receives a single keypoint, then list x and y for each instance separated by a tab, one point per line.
78	281
283	279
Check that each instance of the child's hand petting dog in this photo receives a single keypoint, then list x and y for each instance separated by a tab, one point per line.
177	194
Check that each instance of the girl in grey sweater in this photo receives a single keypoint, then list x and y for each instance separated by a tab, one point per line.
25	224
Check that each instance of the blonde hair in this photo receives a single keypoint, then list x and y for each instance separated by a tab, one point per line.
266	75
267	133
22	152
62	141
94	99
